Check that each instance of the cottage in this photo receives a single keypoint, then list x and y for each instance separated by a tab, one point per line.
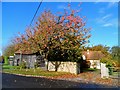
93	57
28	57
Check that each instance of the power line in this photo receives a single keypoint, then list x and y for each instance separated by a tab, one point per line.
36	12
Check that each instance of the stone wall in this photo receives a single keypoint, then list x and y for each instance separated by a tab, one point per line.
71	67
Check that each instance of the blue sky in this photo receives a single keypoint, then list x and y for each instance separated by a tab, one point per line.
102	17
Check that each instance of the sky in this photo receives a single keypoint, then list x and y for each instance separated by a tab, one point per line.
102	17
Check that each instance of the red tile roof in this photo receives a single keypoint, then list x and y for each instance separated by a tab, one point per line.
93	55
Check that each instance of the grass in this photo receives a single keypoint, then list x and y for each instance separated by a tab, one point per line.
115	74
89	69
34	72
6	66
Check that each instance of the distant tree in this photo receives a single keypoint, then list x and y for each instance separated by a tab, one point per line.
9	50
112	58
115	52
104	49
2	59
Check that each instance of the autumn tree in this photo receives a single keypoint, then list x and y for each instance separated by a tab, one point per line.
104	49
58	37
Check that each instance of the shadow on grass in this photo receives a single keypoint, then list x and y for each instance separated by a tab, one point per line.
90	70
15	81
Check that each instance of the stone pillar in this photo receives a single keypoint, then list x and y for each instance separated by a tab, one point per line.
104	71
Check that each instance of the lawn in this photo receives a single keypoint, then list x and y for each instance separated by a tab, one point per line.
90	70
33	72
115	74
6	66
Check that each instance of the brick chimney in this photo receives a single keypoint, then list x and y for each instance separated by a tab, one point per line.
88	51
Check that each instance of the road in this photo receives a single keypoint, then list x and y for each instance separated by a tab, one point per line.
15	81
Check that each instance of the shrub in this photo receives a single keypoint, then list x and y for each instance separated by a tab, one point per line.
6	62
23	65
104	60
109	64
36	64
107	61
110	70
17	67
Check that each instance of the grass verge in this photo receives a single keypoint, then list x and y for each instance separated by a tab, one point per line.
32	72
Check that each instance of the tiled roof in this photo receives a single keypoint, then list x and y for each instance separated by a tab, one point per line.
93	55
23	52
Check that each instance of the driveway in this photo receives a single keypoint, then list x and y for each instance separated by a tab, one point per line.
15	81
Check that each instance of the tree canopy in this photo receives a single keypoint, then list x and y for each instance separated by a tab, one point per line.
58	37
9	50
115	52
104	49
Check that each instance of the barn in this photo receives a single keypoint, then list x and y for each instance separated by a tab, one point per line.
29	58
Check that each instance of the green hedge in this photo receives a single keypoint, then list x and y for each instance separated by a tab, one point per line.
6	60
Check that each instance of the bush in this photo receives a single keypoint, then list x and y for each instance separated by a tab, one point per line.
17	67
108	62
110	71
23	65
92	69
36	64
104	60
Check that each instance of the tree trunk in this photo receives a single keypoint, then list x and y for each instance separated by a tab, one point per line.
56	66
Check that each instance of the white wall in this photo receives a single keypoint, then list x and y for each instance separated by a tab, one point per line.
97	64
71	67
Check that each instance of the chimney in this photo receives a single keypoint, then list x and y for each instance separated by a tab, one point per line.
88	51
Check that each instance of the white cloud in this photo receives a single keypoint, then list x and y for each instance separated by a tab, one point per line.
106	16
107	21
108	24
103	19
